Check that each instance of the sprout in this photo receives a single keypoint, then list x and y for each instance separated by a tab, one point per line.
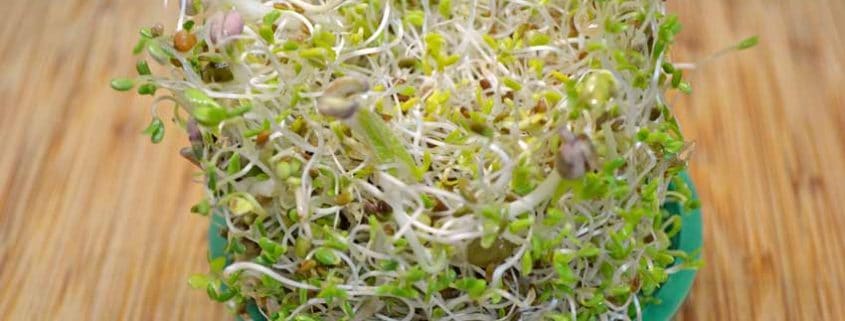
420	161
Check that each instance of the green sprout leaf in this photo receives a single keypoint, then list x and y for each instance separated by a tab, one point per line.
472	286
748	43
271	17
155	130
202	208
188	25
157	52
234	164
331	292
147	89
387	147
199	281
122	84
415	18
143	68
445	8
326	256
270	251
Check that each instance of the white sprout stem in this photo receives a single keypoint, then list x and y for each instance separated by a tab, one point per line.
538	195
258	268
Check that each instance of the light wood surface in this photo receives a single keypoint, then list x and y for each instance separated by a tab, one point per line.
95	222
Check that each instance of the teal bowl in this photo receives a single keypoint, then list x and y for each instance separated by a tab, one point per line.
670	295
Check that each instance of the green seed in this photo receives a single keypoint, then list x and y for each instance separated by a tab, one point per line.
326	256
122	84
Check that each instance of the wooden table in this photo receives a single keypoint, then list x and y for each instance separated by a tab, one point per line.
95	223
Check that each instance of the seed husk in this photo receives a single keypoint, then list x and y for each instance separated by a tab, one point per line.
157	30
497	252
338	101
217	72
575	157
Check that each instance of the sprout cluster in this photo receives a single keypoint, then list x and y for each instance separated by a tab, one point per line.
429	159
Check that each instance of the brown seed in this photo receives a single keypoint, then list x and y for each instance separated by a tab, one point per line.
157	30
343	198
188	153
389	230
262	137
508	95
184	41
485	84
480	128
655	113
582	55
465	112
439	206
450	293
306	266
407	62
541	106
377	207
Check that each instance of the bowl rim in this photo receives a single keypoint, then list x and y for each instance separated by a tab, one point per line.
670	295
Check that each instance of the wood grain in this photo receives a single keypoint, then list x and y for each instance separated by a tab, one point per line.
95	223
